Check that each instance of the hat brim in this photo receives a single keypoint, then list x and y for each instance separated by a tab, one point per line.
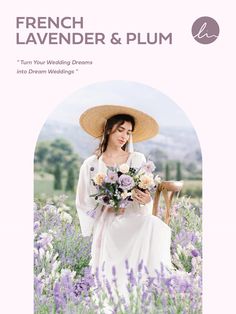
94	119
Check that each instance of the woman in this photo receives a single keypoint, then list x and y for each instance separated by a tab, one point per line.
134	235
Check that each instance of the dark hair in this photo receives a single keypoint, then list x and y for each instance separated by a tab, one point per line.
118	119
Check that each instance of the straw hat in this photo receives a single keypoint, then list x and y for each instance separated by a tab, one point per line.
94	119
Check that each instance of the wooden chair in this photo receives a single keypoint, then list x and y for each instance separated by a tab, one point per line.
168	189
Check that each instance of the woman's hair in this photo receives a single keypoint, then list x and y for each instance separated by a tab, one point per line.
118	119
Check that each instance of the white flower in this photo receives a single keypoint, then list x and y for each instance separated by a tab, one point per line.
55	257
51	231
157	179
146	181
50	246
198	235
125	194
196	261
176	256
55	275
63	207
47	281
124	168
41	253
132	193
45	240
190	247
36	225
179	249
99	178
50	208
42	274
45	235
48	256
55	265
66	271
66	217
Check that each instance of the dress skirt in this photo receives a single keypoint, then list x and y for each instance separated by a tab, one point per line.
130	238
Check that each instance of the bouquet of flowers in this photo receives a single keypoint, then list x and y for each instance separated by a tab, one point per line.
115	187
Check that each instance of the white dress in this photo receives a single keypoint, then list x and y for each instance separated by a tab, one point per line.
134	236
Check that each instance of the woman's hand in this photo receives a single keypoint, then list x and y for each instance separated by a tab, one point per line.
141	197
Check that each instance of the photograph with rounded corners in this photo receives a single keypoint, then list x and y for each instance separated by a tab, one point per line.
117	204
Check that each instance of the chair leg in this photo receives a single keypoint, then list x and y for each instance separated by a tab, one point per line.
167	199
168	188
156	203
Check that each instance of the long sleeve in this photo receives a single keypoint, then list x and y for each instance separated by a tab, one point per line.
138	161
85	204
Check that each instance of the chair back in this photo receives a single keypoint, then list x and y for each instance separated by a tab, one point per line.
168	189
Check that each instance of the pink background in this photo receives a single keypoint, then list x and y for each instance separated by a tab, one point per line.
199	78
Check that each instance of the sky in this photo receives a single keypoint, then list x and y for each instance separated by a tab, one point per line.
132	94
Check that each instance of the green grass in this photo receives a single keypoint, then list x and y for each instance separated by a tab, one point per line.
192	188
44	188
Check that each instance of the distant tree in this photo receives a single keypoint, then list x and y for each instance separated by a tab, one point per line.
191	167
56	156
71	161
57	177
62	145
60	152
41	151
70	183
167	172
160	166
178	171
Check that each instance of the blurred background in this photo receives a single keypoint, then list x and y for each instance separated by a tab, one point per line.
62	145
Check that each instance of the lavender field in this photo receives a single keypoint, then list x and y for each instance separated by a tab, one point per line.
63	282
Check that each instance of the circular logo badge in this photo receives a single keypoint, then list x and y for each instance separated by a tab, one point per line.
205	30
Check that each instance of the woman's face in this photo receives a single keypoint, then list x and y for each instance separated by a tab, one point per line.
120	134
